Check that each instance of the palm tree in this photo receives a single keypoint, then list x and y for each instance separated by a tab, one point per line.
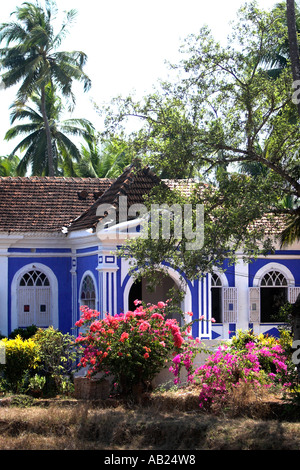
31	57
293	42
106	161
34	144
8	165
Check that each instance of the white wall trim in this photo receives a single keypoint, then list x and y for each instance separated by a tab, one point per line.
54	292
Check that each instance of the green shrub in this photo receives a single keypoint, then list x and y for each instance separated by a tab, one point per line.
36	385
20	357
24	333
56	355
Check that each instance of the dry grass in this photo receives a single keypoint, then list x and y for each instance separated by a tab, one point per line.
166	421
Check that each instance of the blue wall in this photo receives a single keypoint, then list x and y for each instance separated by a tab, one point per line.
291	264
61	267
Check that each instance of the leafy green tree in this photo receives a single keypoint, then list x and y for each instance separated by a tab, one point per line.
30	56
34	145
279	57
222	109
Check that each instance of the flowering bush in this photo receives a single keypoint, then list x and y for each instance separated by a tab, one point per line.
20	356
132	347
185	358
260	362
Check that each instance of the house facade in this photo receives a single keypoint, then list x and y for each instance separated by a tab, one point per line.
52	260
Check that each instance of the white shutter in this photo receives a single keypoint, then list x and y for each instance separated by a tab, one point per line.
293	293
254	304
42	306
230	304
34	305
26	306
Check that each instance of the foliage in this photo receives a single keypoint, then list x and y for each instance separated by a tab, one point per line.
36	384
258	361
20	356
221	110
30	59
8	165
101	158
132	347
56	354
24	333
34	144
22	401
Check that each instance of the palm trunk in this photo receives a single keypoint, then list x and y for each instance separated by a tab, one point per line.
293	43
48	134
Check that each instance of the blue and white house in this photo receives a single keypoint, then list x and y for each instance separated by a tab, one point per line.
52	260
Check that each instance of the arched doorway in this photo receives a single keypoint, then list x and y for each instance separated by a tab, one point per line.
34	297
141	290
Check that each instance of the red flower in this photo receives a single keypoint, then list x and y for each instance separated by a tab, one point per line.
123	337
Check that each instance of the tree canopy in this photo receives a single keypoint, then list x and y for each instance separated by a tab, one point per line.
31	59
223	110
66	153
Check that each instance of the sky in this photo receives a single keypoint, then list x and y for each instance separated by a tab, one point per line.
127	43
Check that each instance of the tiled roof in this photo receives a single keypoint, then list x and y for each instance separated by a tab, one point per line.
45	204
132	183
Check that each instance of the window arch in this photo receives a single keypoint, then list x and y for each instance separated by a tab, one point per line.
88	292
273	279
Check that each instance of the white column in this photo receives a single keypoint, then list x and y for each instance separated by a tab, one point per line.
75	312
107	269
242	284
4	292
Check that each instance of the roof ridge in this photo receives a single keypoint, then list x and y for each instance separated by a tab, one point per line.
118	187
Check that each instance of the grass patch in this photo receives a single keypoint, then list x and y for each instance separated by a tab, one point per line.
165	420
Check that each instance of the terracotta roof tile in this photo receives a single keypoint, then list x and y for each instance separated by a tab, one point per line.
45	204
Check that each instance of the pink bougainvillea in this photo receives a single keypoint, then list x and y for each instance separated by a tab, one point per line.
259	363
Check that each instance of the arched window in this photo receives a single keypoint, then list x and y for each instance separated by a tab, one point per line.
88	292
216	298
273	294
34	300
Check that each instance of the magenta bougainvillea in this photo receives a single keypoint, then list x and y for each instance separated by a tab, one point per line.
260	363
